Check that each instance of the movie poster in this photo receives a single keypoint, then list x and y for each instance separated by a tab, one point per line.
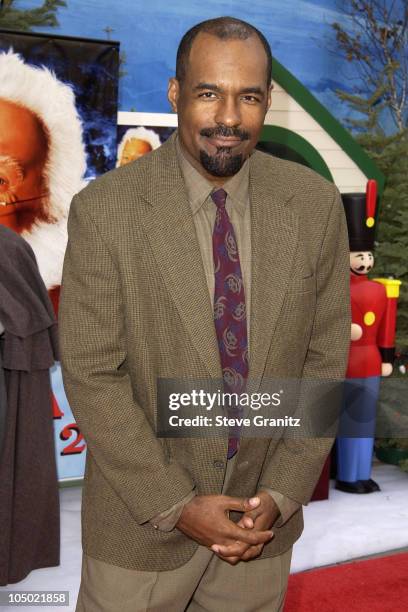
58	114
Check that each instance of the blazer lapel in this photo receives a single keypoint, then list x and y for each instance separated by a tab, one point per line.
274	232
171	232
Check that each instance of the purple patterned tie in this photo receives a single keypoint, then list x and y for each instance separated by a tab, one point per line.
229	310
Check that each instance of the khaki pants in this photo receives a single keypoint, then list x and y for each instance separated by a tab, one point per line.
203	584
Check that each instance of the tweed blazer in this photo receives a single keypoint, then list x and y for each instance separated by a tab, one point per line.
135	307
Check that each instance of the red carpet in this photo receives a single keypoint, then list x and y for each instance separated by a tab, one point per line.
375	585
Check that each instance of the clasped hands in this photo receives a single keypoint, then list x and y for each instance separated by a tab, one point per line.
206	520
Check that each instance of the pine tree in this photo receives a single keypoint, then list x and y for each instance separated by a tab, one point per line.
375	40
392	237
21	20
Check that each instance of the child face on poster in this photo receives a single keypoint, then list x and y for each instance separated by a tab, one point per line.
23	155
133	149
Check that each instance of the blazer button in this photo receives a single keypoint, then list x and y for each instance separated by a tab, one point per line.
243	466
219	464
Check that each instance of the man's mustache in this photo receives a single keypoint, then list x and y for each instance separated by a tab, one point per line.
225	132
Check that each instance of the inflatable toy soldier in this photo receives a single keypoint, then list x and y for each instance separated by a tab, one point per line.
373	309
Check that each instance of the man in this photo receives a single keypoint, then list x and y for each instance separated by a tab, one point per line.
155	249
42	159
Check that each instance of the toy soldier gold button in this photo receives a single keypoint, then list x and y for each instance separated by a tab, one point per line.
369	318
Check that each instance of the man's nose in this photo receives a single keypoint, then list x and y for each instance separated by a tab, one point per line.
228	112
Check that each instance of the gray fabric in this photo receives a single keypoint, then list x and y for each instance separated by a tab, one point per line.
29	536
26	312
3	398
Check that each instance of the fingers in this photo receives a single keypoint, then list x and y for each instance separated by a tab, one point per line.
239	548
249	536
243	550
241	504
237	536
236	549
252	552
253	514
230	560
234	552
246	522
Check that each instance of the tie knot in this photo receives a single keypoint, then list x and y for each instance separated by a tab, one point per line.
219	197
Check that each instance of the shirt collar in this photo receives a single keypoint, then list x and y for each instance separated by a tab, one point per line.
199	188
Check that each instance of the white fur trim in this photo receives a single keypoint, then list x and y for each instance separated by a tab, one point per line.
53	101
49	241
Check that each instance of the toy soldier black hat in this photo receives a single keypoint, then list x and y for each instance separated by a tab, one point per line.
360	215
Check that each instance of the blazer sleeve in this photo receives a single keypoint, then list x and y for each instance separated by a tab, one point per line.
294	465
98	387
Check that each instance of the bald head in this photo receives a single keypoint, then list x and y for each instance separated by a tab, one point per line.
223	28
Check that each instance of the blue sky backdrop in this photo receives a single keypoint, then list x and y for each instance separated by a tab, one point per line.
149	32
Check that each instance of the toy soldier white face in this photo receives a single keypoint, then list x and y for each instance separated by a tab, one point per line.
361	262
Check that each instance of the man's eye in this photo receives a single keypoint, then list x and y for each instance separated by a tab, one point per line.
207	94
252	99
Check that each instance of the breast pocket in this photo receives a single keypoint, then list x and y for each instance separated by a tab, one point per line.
294	328
299	307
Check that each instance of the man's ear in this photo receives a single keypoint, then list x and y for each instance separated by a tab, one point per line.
173	91
269	98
